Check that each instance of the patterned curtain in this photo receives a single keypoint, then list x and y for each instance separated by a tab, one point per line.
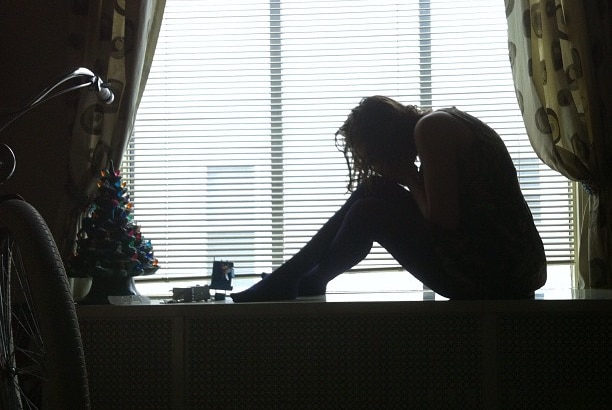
63	144
561	57
119	46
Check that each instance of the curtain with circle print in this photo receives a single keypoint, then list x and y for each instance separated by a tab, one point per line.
561	57
119	45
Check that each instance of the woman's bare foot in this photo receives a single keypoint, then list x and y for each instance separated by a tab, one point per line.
271	288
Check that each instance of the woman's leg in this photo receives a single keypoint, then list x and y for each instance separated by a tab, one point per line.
383	212
395	222
283	282
390	217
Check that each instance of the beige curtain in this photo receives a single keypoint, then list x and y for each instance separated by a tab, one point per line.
119	44
561	57
63	144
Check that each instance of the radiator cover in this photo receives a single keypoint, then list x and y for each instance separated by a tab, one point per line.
318	355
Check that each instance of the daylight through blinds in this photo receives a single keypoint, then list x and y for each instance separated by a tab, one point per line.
233	153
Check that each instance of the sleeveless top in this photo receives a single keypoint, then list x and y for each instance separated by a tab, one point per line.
496	247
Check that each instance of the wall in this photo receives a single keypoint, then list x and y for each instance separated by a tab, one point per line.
39	41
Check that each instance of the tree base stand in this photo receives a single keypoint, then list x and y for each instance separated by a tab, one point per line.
103	287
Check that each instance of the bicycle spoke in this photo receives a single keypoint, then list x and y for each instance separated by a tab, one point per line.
22	352
33	287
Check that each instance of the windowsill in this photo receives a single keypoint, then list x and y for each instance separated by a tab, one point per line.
380	286
380	297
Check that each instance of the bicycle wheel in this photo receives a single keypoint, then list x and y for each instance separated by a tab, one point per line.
41	355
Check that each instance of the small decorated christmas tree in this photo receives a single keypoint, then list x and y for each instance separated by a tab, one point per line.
110	248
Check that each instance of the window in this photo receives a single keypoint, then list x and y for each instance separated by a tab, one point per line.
233	154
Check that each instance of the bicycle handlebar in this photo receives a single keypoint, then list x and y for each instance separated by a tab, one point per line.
65	84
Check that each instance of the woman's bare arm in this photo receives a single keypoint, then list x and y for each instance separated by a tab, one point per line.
439	138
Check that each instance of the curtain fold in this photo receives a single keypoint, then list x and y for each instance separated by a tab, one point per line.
561	58
63	144
119	46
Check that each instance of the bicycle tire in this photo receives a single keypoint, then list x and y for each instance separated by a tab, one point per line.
28	249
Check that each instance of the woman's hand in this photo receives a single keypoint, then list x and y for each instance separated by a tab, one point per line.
413	177
414	182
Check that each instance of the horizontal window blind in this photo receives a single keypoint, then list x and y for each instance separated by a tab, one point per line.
233	153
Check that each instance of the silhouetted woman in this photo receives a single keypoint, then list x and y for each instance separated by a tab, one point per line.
458	222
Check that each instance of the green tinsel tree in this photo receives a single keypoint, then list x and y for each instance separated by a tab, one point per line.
109	243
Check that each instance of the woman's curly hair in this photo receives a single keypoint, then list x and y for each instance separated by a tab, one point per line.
378	130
